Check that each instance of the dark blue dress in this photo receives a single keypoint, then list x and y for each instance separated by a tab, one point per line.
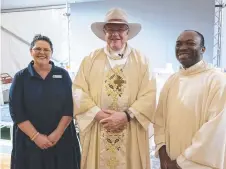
43	103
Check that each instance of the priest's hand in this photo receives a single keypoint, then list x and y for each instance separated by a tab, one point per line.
118	130
164	158
101	115
115	122
55	136
43	142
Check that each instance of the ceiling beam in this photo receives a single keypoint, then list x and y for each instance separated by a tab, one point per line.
35	8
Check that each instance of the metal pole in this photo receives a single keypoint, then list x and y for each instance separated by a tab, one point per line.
217	51
67	14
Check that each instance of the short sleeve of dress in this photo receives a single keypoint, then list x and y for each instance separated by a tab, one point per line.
16	99
68	103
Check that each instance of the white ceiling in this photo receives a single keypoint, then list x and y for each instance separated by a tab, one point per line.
10	4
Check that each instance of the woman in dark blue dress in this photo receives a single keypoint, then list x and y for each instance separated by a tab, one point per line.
41	107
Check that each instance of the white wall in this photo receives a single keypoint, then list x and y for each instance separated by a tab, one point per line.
162	22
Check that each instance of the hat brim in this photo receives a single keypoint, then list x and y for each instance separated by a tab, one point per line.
98	29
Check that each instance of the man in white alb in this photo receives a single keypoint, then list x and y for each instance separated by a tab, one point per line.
190	121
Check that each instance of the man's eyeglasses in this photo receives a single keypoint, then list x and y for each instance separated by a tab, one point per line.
118	30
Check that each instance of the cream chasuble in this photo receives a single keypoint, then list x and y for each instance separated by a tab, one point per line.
106	81
191	118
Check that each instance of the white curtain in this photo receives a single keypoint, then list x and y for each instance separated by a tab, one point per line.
15	52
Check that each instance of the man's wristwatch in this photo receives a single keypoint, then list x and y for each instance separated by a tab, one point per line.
128	116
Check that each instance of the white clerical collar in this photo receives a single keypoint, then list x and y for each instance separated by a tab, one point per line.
117	53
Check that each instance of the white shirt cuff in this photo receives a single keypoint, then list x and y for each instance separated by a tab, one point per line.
187	164
131	113
157	148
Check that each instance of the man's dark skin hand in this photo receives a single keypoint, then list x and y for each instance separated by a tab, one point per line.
164	158
173	165
165	161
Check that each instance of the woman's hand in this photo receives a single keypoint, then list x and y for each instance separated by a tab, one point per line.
42	141
55	136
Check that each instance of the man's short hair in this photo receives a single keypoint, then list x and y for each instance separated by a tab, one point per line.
202	42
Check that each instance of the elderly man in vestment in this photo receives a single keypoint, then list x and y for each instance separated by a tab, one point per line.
115	99
190	121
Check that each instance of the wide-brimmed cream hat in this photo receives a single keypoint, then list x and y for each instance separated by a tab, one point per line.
117	16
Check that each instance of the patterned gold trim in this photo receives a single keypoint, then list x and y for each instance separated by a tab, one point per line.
114	149
115	85
113	145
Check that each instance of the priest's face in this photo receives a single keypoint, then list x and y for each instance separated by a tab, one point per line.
189	48
116	35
